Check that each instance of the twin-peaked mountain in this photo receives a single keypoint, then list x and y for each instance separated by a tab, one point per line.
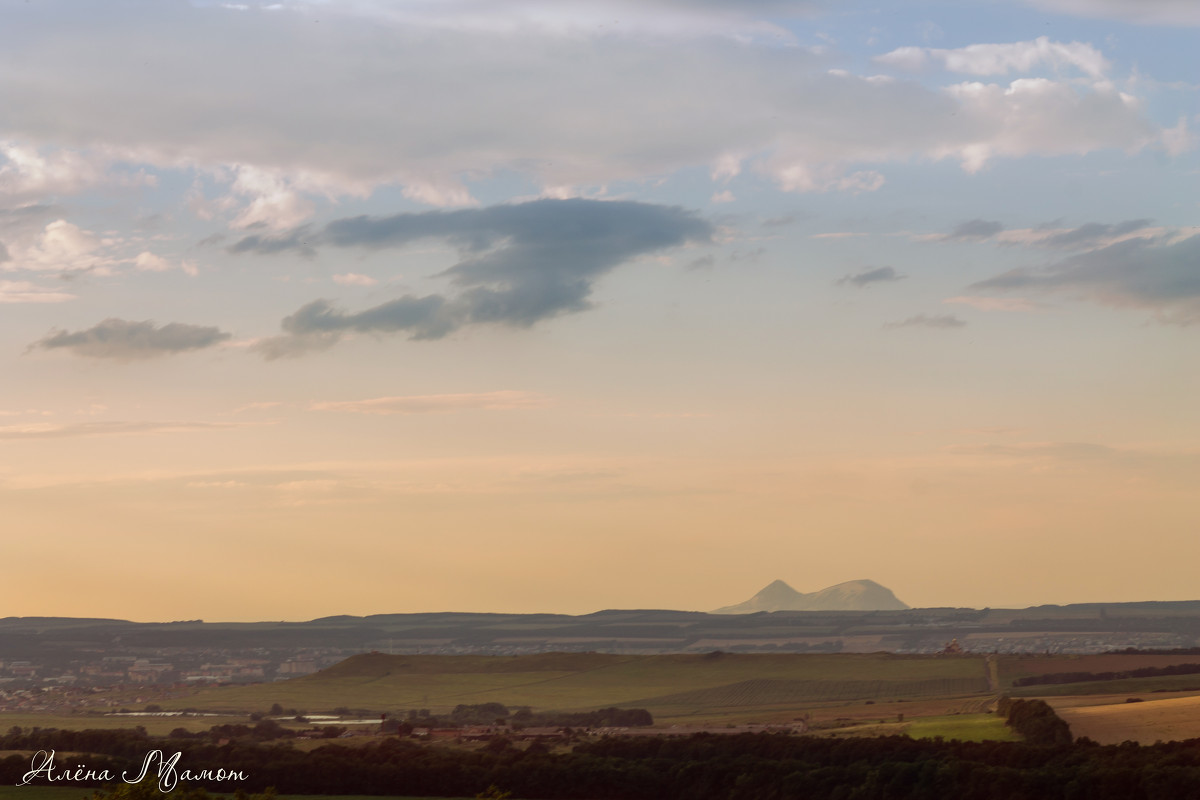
849	596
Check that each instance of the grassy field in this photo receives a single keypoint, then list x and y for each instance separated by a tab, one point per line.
1145	722
964	727
670	686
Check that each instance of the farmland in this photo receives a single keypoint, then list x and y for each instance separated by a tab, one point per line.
675	688
1113	720
826	694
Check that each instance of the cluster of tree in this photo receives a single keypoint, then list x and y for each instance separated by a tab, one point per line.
521	717
1035	720
265	731
697	767
1081	677
603	718
479	713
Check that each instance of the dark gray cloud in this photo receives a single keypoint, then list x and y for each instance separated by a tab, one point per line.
126	340
860	280
1092	234
975	229
1141	272
4	256
521	264
940	321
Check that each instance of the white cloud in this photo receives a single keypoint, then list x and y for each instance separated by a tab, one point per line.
32	173
1003	59
1044	117
417	97
149	262
60	247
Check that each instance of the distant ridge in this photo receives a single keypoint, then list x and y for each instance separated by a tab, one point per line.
861	595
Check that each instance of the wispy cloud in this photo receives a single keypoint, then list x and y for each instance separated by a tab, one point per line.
975	229
48	430
26	292
437	403
126	340
1142	273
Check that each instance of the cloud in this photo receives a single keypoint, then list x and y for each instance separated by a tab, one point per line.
1144	12
47	430
521	264
422	98
126	340
1089	236
860	280
59	246
939	321
974	229
30	173
25	292
1092	234
1002	59
1163	276
433	403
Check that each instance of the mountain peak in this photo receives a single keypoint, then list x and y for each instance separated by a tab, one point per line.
860	595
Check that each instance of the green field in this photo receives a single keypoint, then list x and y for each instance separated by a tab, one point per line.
964	727
670	686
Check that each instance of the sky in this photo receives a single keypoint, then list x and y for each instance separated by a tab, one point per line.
358	307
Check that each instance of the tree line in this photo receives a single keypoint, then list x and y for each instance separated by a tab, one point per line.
746	766
1082	677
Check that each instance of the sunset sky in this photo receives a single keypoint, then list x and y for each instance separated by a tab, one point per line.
358	307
